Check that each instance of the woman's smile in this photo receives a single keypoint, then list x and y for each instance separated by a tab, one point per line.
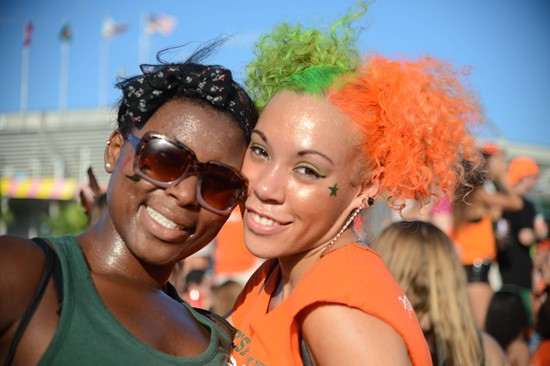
263	225
161	219
163	228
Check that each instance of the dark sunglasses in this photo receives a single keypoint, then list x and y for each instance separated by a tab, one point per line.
165	162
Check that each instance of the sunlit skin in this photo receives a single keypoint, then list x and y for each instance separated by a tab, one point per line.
129	223
301	146
130	254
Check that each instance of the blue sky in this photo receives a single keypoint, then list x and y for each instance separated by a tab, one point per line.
506	42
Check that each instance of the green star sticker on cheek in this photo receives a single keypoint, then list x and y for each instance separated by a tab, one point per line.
333	190
134	177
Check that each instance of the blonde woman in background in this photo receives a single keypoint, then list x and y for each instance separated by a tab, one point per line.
424	262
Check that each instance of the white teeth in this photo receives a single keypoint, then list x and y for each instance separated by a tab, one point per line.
158	217
262	220
266	222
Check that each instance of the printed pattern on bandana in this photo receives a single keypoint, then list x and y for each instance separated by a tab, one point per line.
212	83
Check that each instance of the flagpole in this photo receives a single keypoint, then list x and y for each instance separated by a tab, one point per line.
63	74
24	97
109	29
144	41
103	71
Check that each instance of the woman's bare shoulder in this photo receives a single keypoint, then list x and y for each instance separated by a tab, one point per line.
21	266
354	338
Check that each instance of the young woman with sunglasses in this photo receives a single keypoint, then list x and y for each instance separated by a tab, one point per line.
174	162
332	137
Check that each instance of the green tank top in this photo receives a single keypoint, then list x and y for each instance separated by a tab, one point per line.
88	334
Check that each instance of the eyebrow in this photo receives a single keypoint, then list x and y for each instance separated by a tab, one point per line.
261	134
301	153
315	152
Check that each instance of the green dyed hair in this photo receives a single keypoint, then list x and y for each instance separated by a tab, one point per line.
291	58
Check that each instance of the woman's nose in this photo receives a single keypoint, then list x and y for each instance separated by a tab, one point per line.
185	192
270	183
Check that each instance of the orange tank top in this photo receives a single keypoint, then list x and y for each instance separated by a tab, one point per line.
353	275
476	240
542	354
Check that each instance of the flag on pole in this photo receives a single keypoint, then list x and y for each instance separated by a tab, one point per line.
110	29
24	98
65	34
27	34
160	23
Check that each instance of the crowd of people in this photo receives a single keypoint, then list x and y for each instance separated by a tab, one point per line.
282	179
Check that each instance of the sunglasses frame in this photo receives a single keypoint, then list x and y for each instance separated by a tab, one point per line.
195	168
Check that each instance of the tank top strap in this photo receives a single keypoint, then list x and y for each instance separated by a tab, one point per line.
51	267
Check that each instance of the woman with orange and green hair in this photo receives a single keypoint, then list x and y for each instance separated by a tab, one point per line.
334	135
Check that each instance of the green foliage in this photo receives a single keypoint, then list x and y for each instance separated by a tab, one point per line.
71	219
5	214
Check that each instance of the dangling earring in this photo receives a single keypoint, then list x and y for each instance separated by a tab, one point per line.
328	248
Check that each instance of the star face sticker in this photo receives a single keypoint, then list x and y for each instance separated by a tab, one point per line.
134	177
333	190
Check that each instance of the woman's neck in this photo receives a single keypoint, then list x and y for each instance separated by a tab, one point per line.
108	255
295	267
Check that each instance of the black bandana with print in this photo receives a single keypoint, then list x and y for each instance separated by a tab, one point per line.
143	95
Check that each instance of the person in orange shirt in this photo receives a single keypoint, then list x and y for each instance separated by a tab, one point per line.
232	261
333	136
473	233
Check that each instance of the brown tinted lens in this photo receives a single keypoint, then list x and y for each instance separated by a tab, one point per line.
221	187
162	161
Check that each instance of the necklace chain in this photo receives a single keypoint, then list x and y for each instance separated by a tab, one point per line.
328	248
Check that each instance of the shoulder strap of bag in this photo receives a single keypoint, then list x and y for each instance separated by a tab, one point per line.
50	258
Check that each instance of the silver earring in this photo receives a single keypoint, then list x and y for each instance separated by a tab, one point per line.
107	166
328	248
108	142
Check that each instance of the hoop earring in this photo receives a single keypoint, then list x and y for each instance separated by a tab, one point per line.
354	214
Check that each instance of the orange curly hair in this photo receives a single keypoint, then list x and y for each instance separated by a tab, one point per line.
415	118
